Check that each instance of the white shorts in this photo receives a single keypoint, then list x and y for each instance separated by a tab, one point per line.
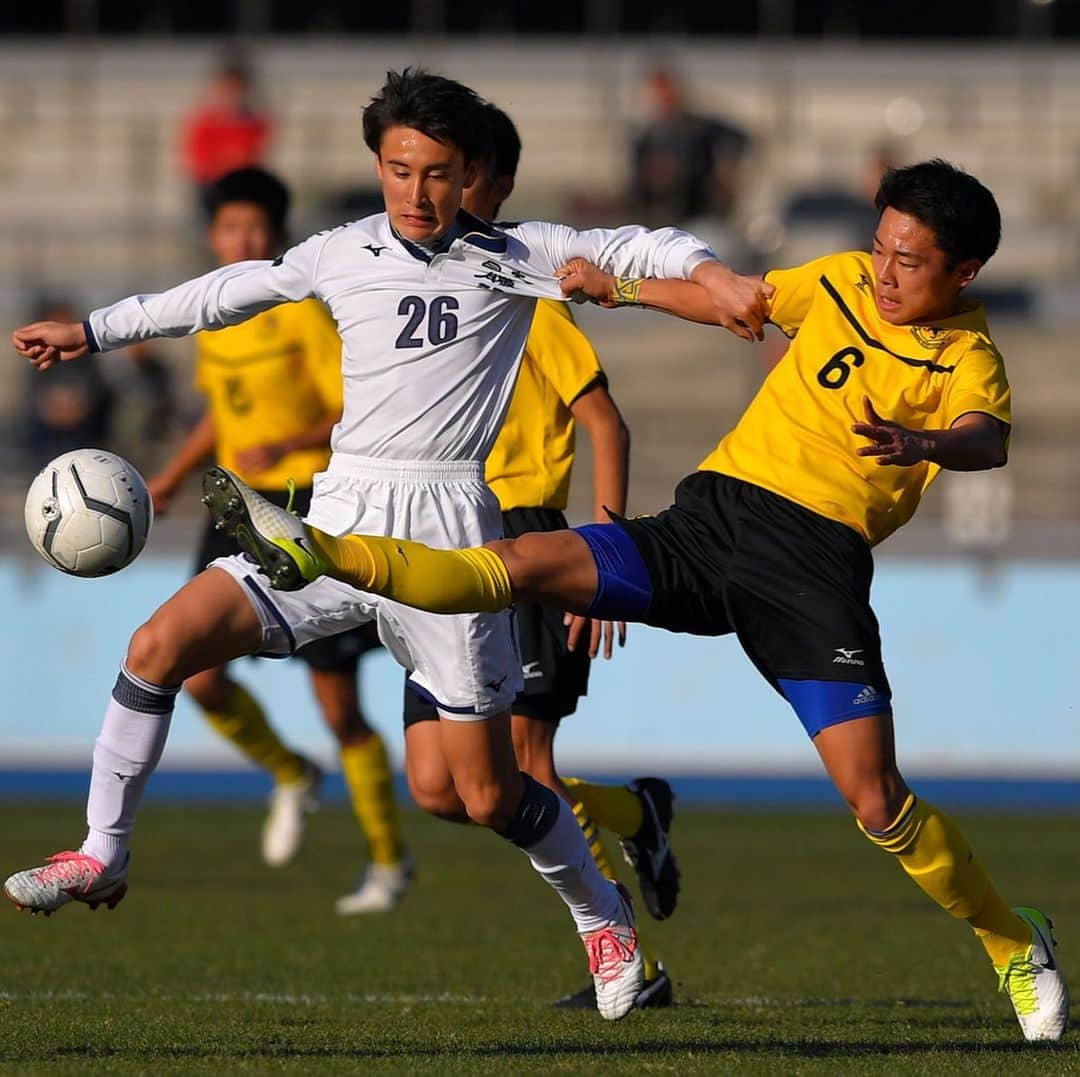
466	664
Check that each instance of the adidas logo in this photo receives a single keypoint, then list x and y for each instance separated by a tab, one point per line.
867	695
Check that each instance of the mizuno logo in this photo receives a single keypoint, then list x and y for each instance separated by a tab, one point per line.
531	670
376	251
496	685
123	777
847	657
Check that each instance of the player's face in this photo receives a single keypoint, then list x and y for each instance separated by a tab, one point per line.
422	182
240	232
912	282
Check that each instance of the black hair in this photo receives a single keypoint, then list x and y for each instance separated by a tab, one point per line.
440	108
955	206
254	185
504	149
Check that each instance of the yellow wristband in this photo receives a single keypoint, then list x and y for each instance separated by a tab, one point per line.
625	290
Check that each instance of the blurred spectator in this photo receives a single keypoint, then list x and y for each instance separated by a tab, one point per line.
685	166
828	215
70	405
228	130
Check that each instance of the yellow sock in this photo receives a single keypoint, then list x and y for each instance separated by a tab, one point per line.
442	581
612	806
366	768
243	722
935	854
603	862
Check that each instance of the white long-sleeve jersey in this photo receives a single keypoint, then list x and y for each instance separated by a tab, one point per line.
431	341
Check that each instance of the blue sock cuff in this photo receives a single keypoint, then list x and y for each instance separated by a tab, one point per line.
623	589
536	815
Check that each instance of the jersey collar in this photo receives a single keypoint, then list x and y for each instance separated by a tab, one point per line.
467	228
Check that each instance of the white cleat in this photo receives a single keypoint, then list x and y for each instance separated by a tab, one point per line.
68	876
290	805
1034	983
615	961
273	537
381	888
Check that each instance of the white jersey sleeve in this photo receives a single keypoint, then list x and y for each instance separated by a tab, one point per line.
630	251
227	296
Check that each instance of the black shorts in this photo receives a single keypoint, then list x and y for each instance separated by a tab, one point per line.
555	677
794	587
331	654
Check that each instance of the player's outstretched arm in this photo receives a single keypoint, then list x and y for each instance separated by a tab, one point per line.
714	296
974	442
45	343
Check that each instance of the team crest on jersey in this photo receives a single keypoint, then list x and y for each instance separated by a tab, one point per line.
930	336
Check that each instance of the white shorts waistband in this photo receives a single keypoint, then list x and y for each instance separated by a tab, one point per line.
348	465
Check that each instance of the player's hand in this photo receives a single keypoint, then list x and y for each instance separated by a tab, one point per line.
259	457
45	343
742	302
162	489
581	628
581	281
892	443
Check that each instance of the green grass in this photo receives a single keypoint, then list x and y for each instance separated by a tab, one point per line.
797	948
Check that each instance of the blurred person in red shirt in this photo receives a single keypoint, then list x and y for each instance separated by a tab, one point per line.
228	130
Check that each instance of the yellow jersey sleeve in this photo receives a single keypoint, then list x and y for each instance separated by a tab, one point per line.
531	461
322	353
561	351
794	295
979	384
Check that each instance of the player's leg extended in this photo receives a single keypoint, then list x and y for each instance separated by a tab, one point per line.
860	758
496	794
534	747
556	567
208	622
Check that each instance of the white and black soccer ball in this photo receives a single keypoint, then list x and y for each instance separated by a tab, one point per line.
88	513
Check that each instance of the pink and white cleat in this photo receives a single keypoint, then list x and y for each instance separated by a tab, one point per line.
67	876
616	962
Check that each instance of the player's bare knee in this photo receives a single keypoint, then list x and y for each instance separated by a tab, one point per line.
488	806
876	803
529	562
155	653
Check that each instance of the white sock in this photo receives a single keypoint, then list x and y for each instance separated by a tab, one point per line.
561	855
127	749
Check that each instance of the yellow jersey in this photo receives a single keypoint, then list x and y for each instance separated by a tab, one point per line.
270	378
795	438
530	462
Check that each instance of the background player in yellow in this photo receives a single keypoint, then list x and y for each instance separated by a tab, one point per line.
560	384
273	390
891	376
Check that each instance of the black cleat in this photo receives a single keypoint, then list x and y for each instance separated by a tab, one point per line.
649	851
655	994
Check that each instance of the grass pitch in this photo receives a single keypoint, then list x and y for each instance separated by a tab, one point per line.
797	948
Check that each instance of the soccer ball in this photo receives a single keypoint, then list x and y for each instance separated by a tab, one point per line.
88	513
